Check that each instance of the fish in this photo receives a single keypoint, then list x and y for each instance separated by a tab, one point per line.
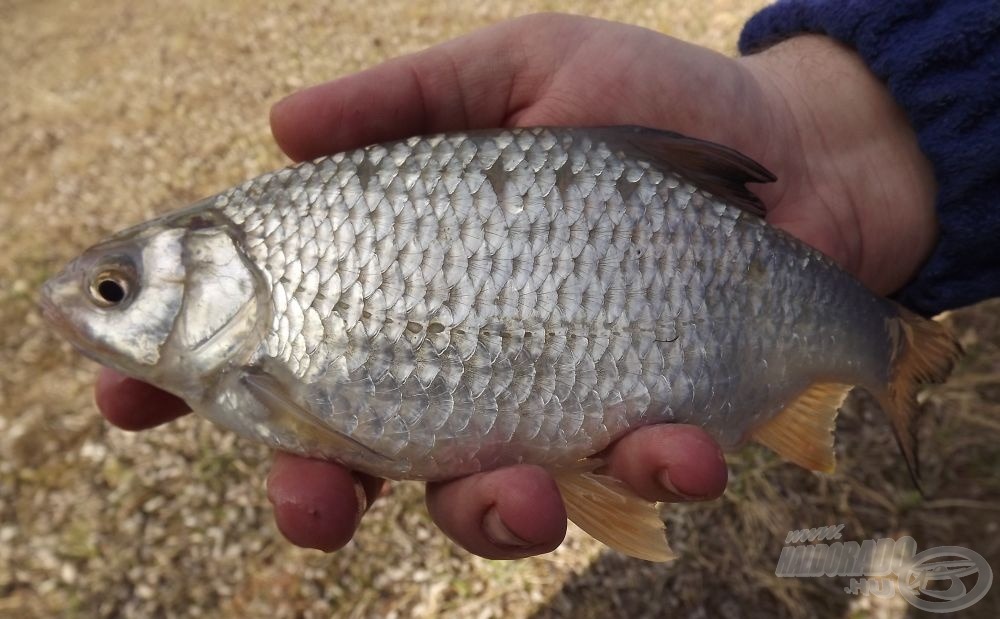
441	305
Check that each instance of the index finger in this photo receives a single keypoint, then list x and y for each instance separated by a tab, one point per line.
472	82
132	404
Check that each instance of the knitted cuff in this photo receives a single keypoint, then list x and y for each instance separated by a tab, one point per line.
941	61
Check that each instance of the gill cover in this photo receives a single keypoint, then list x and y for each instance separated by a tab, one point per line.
223	311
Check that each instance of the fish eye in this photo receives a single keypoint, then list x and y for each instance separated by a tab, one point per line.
110	288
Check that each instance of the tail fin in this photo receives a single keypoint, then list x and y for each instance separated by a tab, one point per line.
925	353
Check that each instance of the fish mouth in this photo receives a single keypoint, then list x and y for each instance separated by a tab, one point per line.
51	311
52	303
61	324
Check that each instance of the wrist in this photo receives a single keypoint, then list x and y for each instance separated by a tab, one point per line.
856	157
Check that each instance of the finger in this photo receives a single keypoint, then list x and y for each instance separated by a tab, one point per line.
509	513
318	504
132	404
669	463
472	82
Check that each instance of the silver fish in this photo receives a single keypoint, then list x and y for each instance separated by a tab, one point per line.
447	304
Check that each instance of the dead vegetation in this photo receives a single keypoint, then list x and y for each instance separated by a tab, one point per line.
114	111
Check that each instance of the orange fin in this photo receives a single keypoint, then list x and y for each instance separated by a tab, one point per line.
925	353
611	513
802	432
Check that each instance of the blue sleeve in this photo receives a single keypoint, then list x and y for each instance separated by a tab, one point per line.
941	61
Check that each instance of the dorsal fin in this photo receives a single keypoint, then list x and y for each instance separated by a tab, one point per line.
719	170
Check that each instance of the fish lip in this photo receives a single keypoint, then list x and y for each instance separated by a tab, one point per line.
57	318
54	316
51	312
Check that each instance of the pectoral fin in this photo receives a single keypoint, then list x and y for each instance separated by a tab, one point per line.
275	397
802	432
610	512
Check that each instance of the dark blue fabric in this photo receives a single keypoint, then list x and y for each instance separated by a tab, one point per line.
941	61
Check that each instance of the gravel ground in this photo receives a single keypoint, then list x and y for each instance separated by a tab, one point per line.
114	111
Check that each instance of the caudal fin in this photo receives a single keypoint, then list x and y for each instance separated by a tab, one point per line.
925	353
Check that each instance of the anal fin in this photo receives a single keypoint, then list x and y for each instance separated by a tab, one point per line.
802	432
611	513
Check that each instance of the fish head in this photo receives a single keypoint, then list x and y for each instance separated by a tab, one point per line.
172	302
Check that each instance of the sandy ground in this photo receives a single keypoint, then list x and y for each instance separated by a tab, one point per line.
113	111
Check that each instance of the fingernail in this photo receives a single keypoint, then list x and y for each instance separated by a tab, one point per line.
362	496
664	478
498	533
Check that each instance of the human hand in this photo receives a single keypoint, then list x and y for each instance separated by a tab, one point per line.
807	109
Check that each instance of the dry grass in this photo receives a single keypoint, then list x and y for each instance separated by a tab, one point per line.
114	111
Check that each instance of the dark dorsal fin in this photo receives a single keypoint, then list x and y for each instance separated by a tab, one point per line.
718	170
